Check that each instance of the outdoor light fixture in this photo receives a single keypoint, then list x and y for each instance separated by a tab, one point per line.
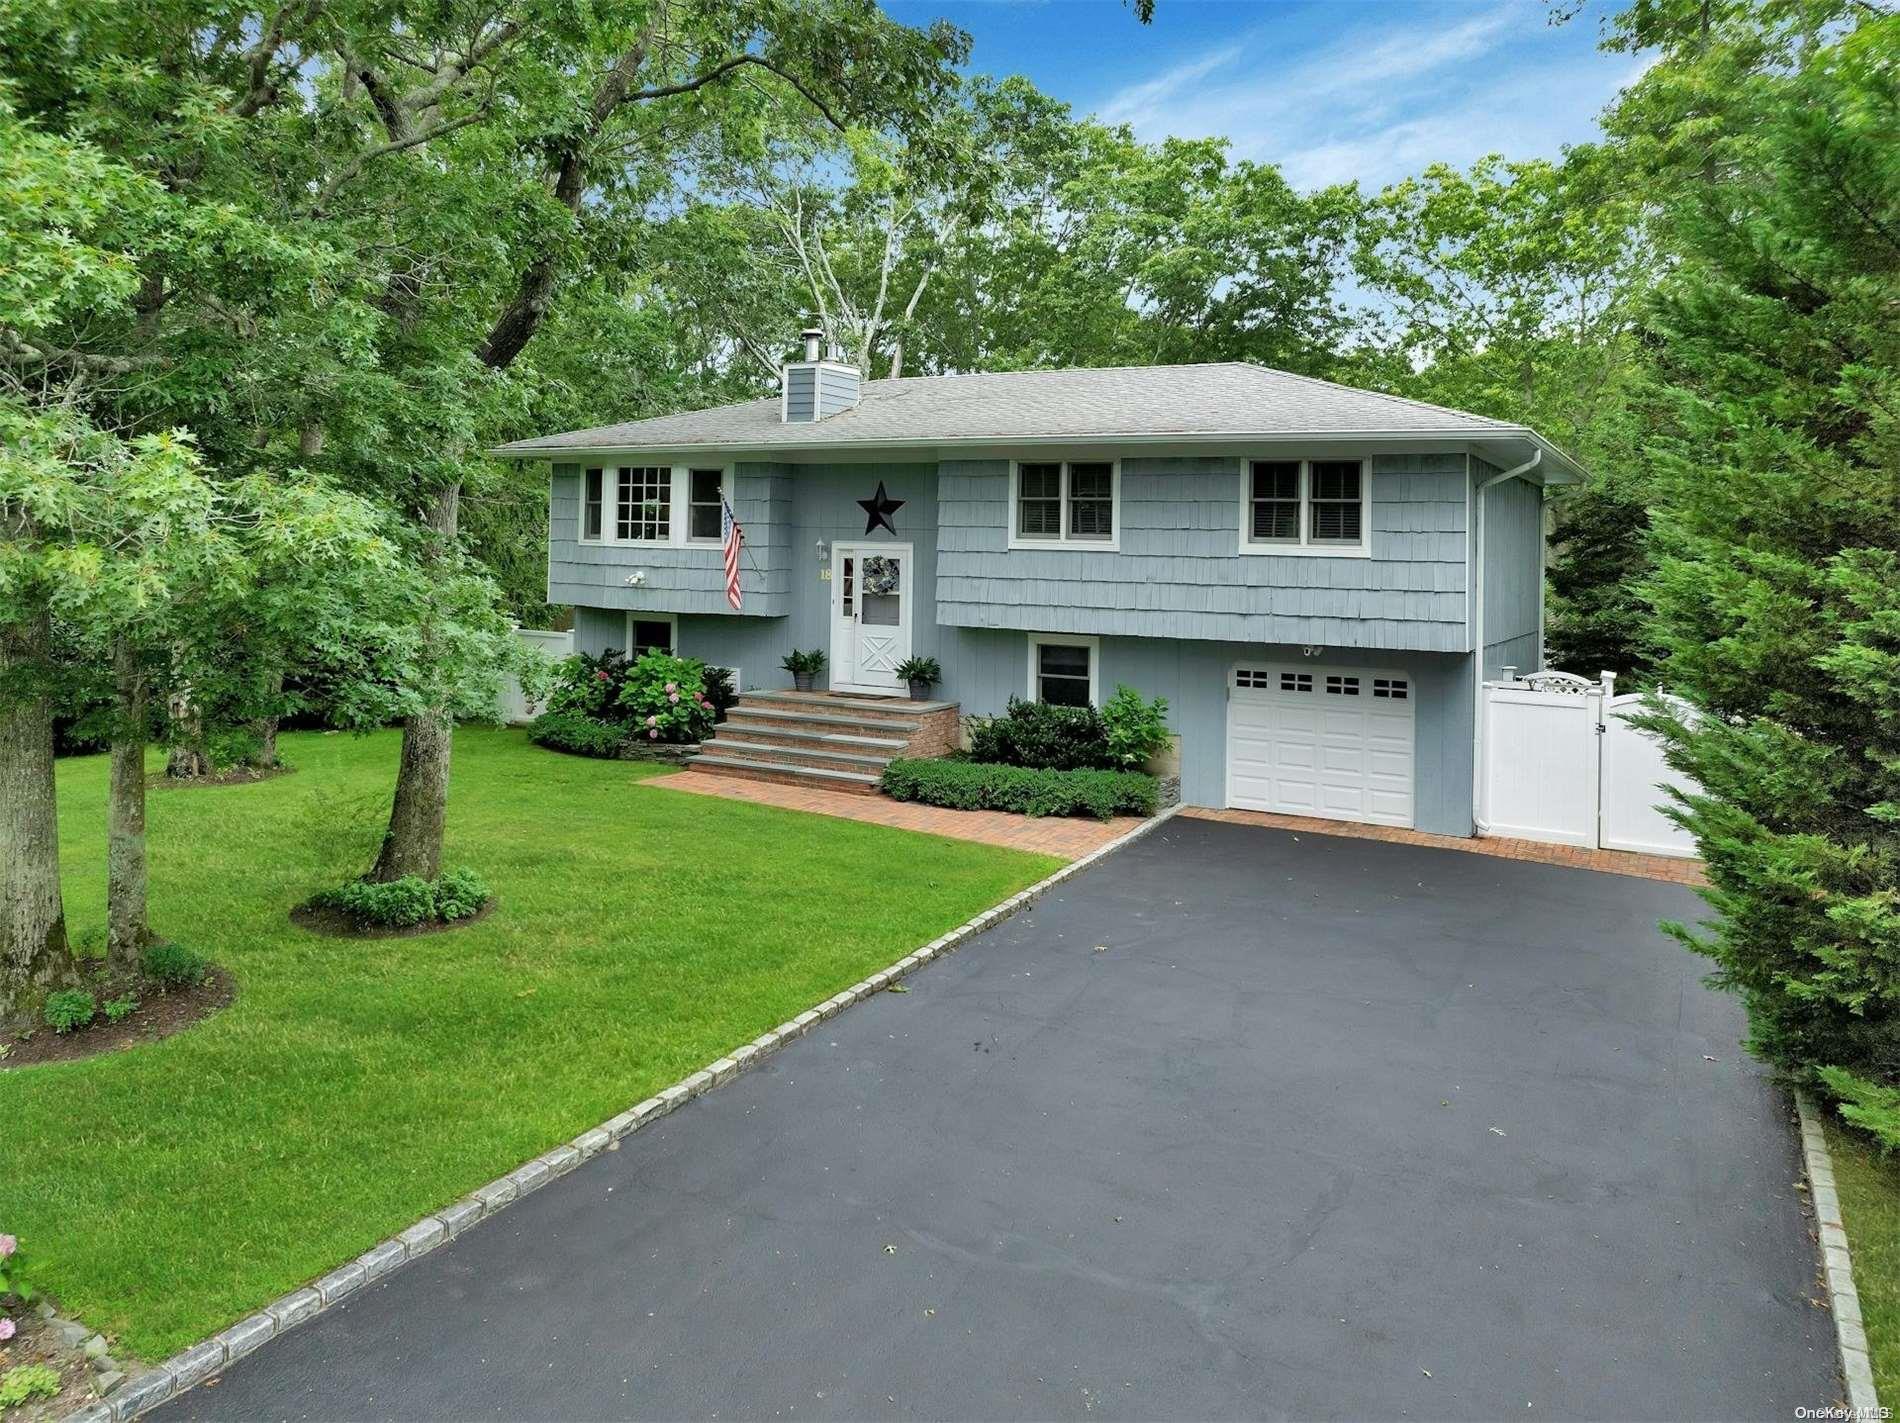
824	551
1310	651
637	578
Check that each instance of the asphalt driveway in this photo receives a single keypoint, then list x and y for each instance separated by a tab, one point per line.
1237	1123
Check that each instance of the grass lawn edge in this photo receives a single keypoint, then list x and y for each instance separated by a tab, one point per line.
1864	1181
204	1360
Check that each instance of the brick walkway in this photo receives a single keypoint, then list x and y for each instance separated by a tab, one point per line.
1051	835
1616	862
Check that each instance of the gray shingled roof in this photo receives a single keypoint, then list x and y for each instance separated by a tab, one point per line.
1143	402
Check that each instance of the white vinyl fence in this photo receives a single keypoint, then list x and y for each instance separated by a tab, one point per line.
1562	764
514	707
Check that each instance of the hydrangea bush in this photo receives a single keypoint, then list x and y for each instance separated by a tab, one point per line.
666	699
11	1283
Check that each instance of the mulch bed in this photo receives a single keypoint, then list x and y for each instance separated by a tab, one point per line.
335	924
160	1014
232	776
36	1343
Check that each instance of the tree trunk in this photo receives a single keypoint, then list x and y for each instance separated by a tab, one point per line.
413	843
189	757
265	727
34	955
128	928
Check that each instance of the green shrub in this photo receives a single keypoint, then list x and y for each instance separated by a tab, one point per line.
920	669
460	894
720	691
589	686
972	785
577	733
409	901
70	1009
1136	729
665	699
175	966
1042	737
28	1381
117	1010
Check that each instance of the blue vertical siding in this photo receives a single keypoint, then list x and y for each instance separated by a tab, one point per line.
1513	590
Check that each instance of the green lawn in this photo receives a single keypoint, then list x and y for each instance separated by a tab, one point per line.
355	1086
1870	1209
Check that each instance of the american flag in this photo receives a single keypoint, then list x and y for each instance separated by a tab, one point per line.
731	537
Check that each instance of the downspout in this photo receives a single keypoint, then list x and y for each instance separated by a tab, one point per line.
1477	618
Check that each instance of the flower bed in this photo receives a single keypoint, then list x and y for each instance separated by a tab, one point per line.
605	706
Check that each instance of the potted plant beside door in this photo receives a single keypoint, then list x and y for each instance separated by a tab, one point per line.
804	667
922	673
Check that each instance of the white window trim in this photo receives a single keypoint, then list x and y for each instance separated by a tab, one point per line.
680	483
671	620
1304	548
1065	540
1038	640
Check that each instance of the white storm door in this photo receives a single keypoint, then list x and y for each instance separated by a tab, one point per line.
870	615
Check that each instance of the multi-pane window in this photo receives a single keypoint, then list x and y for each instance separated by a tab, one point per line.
705	489
1343	686
1391	688
1296	681
1091	501
1274	502
1251	677
592	503
1292	505
644	511
1064	502
1063	673
1039	501
1335	501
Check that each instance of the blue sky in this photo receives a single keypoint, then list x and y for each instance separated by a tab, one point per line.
1328	89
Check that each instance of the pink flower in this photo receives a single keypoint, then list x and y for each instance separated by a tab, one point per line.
653	736
674	688
600	676
8	1244
673	697
6	1330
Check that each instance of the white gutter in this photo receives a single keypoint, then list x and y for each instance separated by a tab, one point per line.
1564	469
1477	620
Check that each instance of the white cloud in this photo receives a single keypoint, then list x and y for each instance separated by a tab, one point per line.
1383	99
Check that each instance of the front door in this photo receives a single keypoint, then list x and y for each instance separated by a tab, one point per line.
870	615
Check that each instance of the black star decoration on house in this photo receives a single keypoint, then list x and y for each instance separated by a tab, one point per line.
878	510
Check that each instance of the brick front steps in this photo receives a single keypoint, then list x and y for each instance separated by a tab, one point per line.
832	741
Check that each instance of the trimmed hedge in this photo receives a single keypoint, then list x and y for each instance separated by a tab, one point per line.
409	901
577	733
972	785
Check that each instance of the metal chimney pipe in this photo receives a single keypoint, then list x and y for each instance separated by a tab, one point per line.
814	342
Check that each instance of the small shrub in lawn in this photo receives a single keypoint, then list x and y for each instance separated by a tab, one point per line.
117	1010
28	1381
70	1009
409	901
577	734
175	966
1042	737
973	785
460	894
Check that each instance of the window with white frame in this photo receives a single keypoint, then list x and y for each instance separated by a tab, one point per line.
1063	670
653	504
705	488
650	634
1305	506
593	505
644	511
1062	502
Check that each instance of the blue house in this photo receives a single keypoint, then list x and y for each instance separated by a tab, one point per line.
1317	578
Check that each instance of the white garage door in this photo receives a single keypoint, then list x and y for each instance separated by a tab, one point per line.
1334	742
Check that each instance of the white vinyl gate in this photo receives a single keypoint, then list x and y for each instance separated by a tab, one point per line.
1563	765
513	706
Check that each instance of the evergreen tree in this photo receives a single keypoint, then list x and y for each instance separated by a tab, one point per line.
1777	582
